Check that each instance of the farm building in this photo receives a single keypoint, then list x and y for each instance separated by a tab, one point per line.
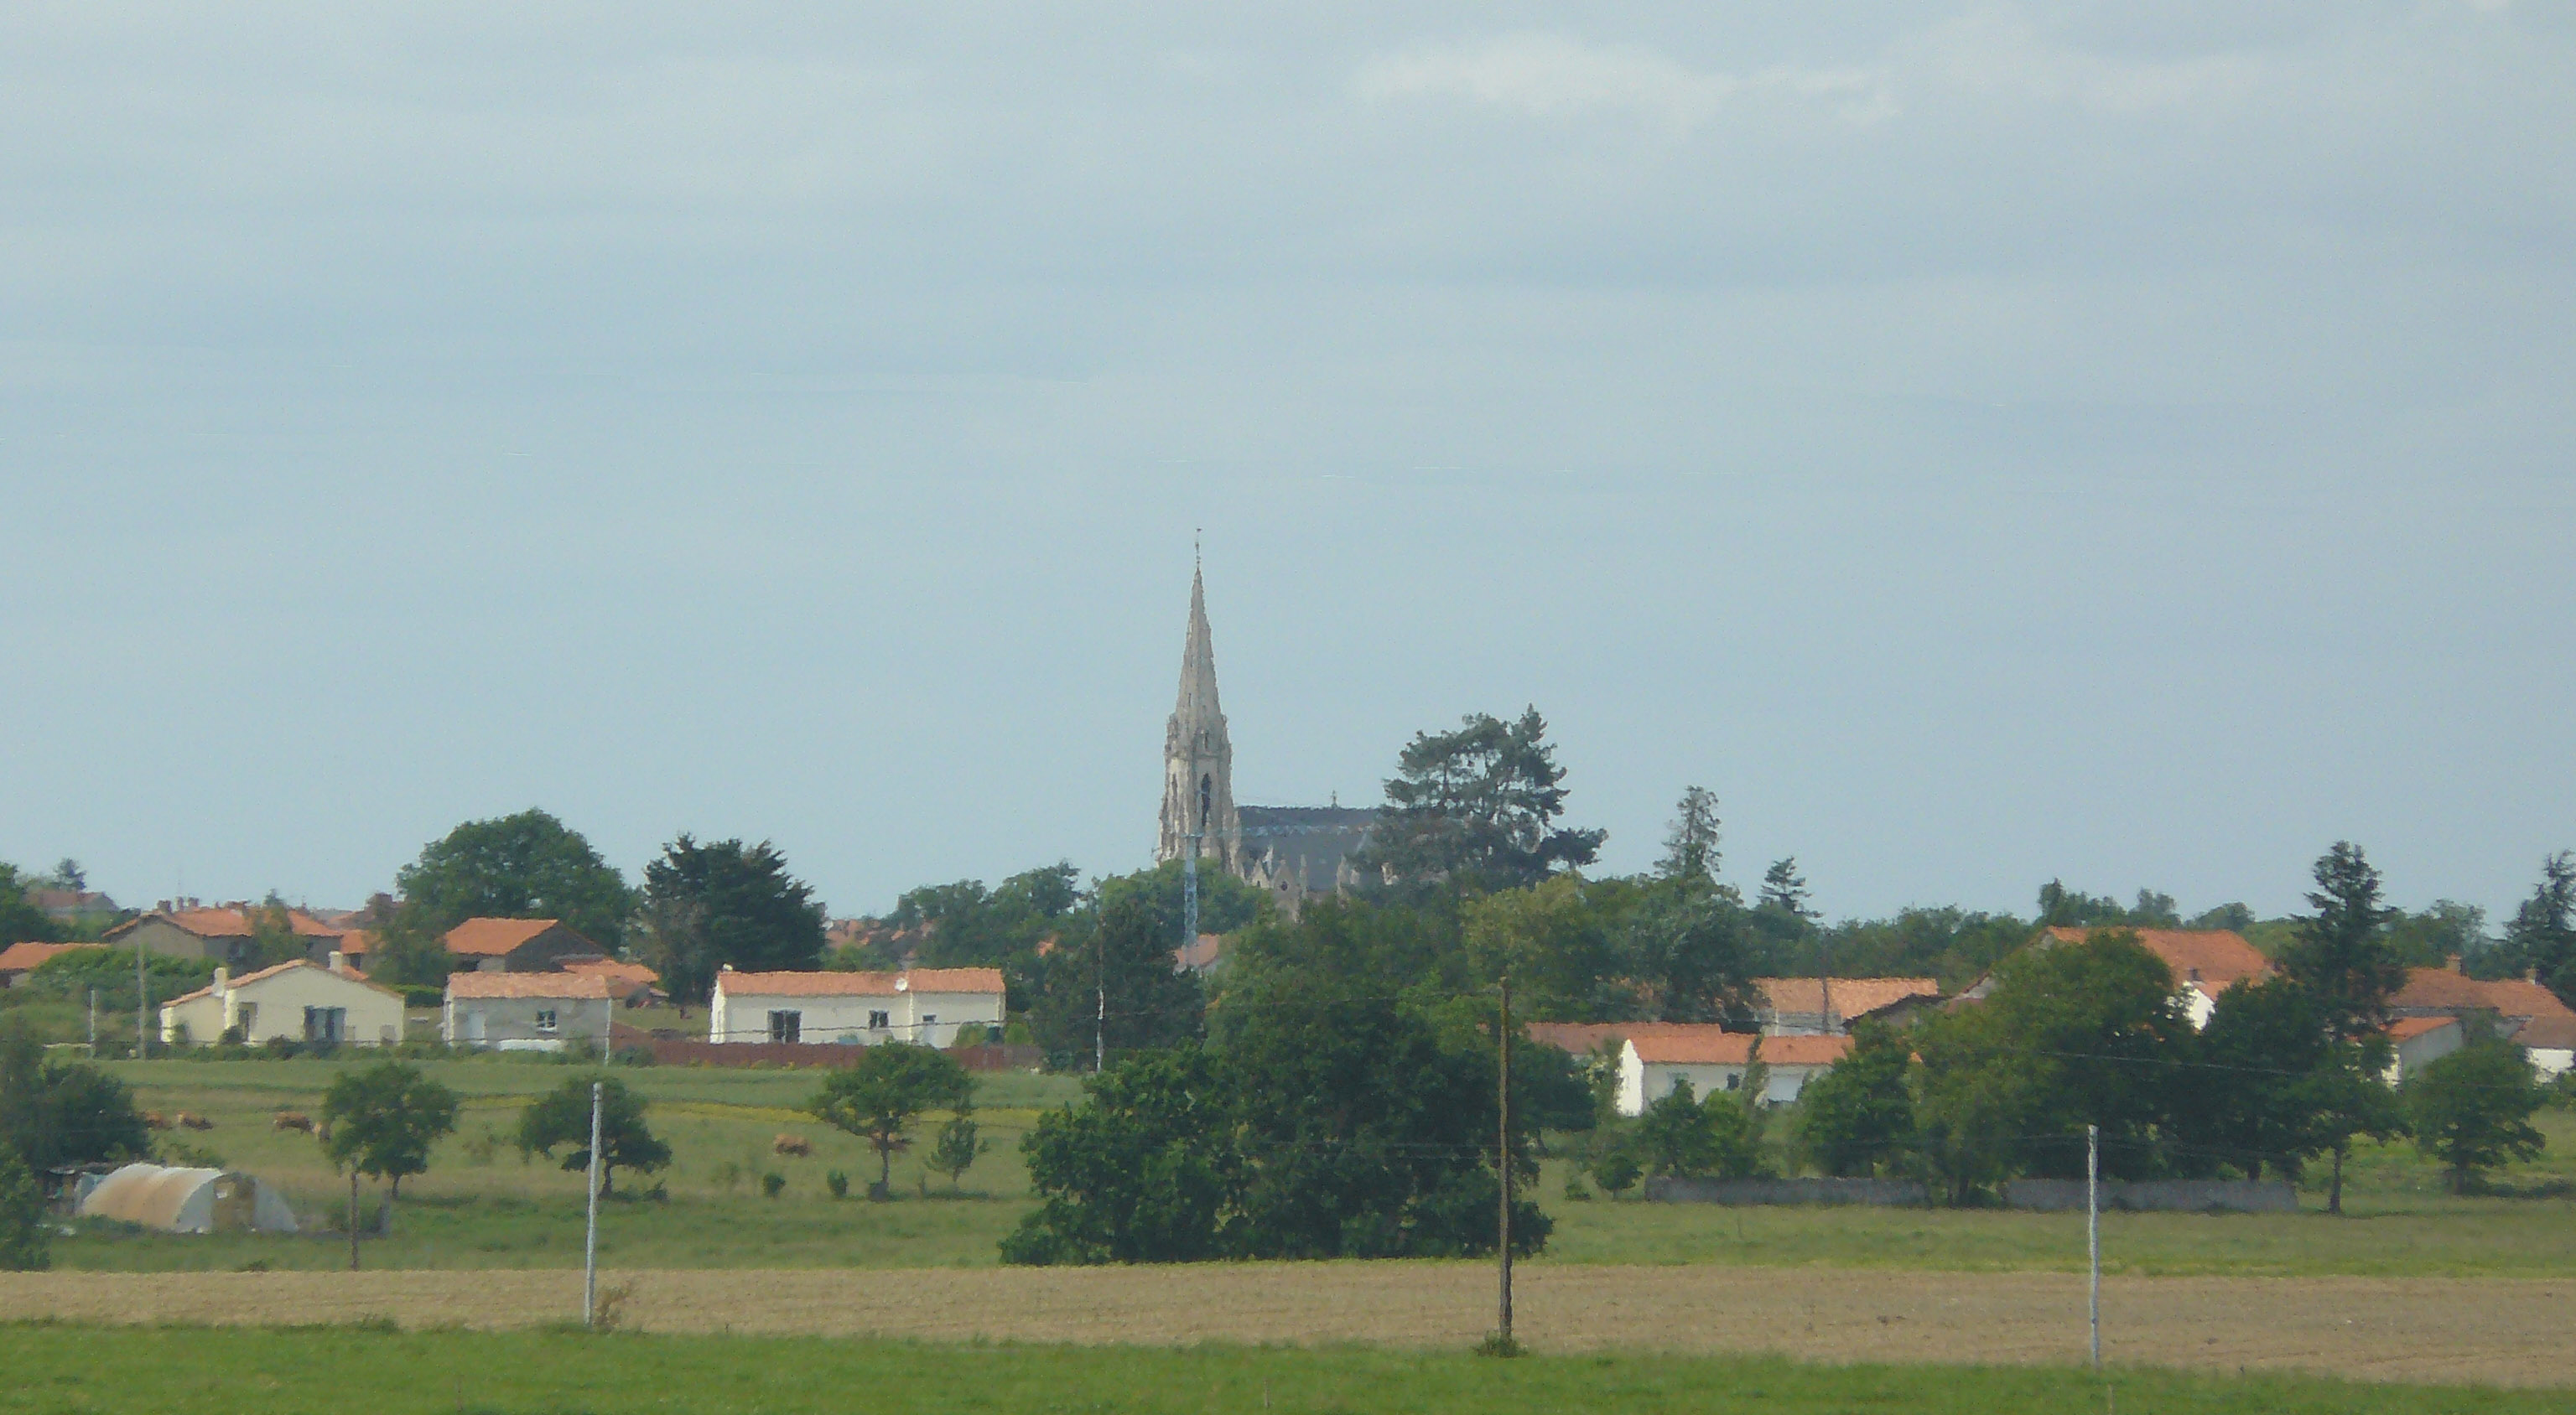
633	984
526	1011
1798	1007
222	935
20	959
516	945
1714	1061
925	1005
299	1001
187	1201
2521	1010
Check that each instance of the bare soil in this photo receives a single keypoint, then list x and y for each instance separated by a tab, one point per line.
2502	1331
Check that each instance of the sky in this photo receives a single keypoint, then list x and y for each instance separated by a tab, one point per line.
1984	444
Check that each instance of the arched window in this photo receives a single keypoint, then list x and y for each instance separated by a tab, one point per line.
1207	788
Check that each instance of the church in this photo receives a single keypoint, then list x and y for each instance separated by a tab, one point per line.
1292	852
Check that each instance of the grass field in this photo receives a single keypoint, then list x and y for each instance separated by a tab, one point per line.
480	1206
65	1368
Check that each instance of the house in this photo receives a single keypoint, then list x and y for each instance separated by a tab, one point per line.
2204	962
527	1011
1714	1062
925	1005
1798	1007
2418	1042
516	946
2521	1010
300	1001
1582	1039
220	935
632	984
20	959
73	906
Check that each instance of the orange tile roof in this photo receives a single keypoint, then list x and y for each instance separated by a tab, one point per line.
2407	1029
2210	959
2510	997
210	923
494	938
1200	954
931	980
631	974
1581	1038
585	986
1708	1045
2556	1033
24	957
1853	997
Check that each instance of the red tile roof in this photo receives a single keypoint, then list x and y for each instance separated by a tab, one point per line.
930	980
2556	1033
2430	988
495	938
1582	1038
2407	1029
632	975
581	986
25	957
1853	997
2210	959
1706	1045
272	971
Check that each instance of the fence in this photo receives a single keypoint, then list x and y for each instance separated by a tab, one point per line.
2198	1196
1876	1193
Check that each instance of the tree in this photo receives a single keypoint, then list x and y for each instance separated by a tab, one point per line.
1112	984
1689	953
2257	1065
1682	1136
1476	808
1782	920
726	902
383	1120
524	866
1859	1117
2542	936
561	1117
2341	954
1323	1119
20	920
954	1152
1690	850
53	1113
2060	907
880	1097
68	874
1557	950
2472	1109
24	1234
2347	1099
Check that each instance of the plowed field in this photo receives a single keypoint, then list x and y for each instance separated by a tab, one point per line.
2428	1329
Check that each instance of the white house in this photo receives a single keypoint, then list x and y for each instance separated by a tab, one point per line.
527	1011
2418	1042
1714	1061
301	1001
925	1005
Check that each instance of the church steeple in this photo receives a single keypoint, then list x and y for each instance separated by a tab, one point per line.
1198	760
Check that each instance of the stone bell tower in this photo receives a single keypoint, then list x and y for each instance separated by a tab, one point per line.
1198	761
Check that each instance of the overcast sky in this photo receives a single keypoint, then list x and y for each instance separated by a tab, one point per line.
2127	443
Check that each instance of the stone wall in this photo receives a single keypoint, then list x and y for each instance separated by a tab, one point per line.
2232	1196
1878	1193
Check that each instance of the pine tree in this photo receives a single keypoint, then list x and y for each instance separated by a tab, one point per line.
1690	851
2342	954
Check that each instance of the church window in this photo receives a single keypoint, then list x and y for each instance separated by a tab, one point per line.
1206	789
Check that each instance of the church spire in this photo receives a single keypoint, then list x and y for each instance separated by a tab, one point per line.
1198	761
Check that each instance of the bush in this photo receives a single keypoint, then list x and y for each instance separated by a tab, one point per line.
637	1055
971	1034
772	1184
838	1183
186	1154
24	1234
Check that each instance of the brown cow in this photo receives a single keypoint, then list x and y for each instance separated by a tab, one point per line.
292	1120
156	1120
791	1145
194	1122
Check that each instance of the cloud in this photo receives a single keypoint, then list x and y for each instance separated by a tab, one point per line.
1554	76
1995	53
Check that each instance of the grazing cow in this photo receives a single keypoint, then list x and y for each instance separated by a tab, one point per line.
791	1145
156	1120
292	1120
194	1122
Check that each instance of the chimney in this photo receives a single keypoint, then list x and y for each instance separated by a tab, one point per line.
223	980
161	906
339	961
2452	962
2531	975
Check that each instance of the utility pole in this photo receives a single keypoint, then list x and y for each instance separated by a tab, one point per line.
2093	1229
590	1241
93	1024
1503	1156
1190	889
143	1000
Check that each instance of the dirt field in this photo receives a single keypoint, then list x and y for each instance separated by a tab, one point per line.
2502	1331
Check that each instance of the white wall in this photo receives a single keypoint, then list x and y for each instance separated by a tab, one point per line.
276	1006
1641	1083
470	1021
931	1018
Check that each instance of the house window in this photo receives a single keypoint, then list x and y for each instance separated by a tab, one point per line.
878	1021
1734	1080
786	1026
245	1017
545	1019
325	1024
928	1021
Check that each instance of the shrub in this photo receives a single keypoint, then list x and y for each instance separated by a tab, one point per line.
772	1184
972	1034
838	1183
24	1235
637	1055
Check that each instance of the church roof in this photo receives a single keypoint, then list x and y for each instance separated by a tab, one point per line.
1197	706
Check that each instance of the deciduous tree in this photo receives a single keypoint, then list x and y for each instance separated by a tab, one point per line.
888	1088
561	1118
1859	1117
526	866
2472	1109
